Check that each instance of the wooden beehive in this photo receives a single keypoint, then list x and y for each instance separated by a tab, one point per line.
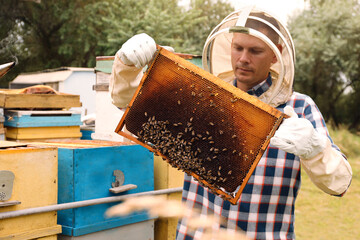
34	185
86	171
200	124
36	118
10	98
34	125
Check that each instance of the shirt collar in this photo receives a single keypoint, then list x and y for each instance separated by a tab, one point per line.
260	88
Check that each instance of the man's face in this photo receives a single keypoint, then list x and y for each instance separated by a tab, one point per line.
251	59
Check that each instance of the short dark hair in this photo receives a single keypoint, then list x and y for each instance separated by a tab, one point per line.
264	28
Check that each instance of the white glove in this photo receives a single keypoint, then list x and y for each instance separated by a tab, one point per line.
298	136
138	50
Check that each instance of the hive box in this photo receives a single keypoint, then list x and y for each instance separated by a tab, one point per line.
34	185
42	133
167	177
28	118
105	126
14	98
29	125
135	231
86	171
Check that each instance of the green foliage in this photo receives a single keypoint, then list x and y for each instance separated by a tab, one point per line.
327	40
49	33
164	20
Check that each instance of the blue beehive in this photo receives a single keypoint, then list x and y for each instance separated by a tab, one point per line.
86	132
86	171
28	118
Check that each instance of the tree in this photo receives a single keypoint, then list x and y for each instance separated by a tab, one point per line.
212	12
327	41
168	23
50	34
36	34
164	20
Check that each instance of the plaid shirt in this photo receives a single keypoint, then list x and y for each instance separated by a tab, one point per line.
266	207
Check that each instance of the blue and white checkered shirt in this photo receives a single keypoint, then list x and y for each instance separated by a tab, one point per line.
266	207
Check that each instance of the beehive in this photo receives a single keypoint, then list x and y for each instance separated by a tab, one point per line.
34	185
41	118
200	124
86	171
34	125
11	98
167	177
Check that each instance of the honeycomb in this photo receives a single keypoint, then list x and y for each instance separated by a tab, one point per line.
200	124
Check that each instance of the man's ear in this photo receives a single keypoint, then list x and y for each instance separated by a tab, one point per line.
279	46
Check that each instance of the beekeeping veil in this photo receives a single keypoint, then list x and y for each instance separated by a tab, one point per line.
251	20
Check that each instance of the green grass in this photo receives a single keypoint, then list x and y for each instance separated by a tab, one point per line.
320	216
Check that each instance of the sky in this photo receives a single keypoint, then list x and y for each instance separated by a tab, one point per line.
281	8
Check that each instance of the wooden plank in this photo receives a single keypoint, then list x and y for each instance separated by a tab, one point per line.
139	230
8	144
43	132
20	113
34	234
16	118
11	99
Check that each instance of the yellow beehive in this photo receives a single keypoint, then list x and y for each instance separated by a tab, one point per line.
38	133
166	177
34	185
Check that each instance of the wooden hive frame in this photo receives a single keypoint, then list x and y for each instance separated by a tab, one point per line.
238	126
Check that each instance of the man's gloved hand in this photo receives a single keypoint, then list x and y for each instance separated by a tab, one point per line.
298	136
138	50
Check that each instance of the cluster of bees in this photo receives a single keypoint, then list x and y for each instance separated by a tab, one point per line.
181	150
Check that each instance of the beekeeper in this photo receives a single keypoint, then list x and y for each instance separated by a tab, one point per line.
254	51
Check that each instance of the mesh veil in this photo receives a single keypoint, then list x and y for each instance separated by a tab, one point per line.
217	50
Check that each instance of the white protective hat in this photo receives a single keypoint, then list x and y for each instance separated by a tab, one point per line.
217	50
